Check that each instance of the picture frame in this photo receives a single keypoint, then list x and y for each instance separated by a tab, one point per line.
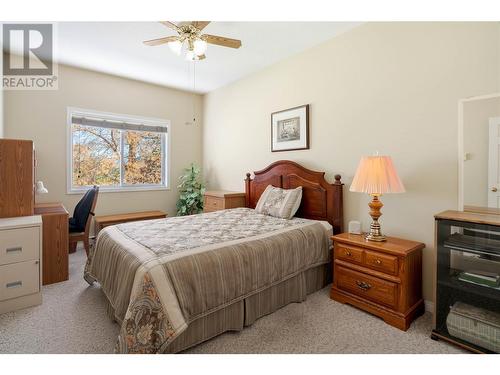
290	129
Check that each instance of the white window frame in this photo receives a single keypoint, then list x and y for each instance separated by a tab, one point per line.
166	141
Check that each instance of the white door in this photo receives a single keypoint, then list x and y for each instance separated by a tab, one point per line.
494	163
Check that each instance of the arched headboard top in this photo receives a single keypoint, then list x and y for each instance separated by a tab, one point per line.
320	199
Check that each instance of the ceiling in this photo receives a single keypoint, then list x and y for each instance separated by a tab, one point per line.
117	48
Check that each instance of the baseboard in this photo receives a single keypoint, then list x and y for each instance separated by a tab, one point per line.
429	306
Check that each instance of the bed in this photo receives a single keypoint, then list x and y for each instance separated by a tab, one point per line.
173	283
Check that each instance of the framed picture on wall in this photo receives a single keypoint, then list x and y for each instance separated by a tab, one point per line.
290	129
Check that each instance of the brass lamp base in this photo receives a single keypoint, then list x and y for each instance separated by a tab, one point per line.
374	237
375	232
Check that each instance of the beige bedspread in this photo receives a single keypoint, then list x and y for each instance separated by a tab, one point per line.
160	275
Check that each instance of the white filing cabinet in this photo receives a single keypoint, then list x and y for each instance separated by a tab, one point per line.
20	262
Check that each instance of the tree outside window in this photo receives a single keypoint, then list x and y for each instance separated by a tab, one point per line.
117	158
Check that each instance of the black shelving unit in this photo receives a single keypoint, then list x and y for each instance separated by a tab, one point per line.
464	242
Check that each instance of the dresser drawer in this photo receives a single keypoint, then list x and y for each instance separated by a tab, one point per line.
349	253
213	204
381	262
19	245
368	287
19	279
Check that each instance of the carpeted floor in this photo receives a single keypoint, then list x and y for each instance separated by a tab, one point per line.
72	319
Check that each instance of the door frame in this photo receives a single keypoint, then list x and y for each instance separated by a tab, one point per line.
492	167
461	154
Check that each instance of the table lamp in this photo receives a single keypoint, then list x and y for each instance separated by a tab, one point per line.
376	175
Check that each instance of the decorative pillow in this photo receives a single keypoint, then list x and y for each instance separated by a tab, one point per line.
277	202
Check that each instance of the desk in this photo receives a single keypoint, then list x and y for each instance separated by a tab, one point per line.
55	241
104	221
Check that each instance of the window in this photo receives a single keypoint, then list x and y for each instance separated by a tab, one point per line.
116	152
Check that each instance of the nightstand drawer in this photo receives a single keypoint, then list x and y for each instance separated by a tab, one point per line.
19	279
213	203
19	245
368	287
381	262
349	253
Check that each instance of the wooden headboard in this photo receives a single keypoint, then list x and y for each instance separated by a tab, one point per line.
320	199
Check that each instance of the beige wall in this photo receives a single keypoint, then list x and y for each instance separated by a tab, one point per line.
391	87
41	116
476	137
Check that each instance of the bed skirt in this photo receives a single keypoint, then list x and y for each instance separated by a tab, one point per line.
244	313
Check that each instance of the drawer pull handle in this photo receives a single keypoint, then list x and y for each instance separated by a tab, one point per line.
362	285
348	253
14	284
378	261
14	249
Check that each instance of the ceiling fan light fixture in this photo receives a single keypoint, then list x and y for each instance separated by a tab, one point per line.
190	56
175	47
190	42
200	47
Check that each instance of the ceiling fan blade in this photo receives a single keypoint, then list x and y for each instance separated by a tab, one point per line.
200	25
170	25
222	41
156	42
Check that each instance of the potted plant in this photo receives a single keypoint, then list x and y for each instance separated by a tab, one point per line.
191	189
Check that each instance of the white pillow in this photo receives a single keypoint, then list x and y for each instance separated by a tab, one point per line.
277	202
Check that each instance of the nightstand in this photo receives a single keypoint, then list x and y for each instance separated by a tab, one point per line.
382	278
215	200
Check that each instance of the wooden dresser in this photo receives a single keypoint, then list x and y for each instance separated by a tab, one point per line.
216	200
382	278
20	262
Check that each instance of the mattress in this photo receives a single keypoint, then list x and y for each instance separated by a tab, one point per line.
160	276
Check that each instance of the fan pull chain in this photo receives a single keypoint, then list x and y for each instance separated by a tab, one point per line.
194	92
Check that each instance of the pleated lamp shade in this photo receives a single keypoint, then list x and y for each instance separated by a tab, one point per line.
376	175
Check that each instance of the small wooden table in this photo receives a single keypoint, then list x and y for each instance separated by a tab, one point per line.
105	221
54	242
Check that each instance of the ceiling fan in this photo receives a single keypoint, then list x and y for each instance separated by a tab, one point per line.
190	34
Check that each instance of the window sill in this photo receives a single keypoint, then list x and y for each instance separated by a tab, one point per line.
103	189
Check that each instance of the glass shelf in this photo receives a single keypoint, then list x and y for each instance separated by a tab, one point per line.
461	286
